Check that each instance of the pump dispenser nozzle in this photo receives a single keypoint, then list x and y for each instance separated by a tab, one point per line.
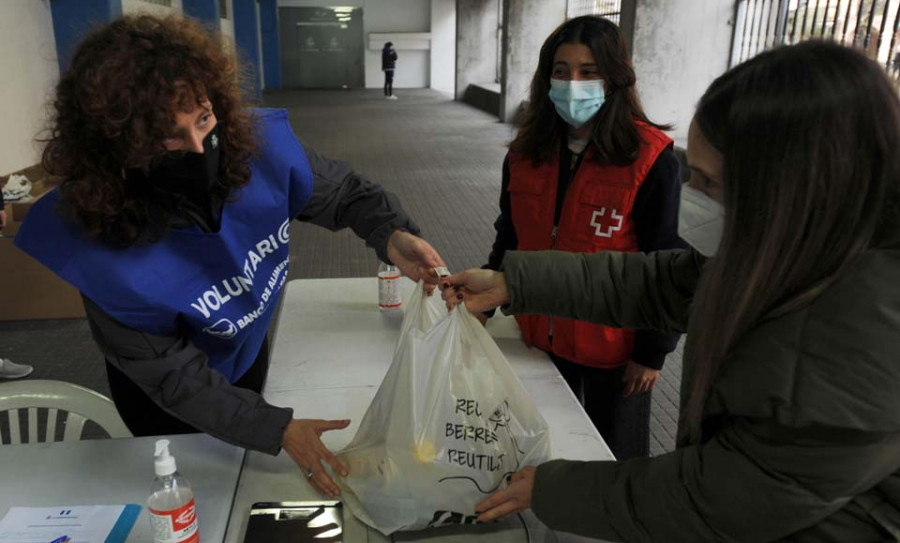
164	462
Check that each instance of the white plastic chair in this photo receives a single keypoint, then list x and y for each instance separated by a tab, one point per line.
79	403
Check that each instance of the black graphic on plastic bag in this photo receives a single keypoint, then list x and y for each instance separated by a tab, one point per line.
499	424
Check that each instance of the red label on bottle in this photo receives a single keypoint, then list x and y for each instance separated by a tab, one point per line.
175	526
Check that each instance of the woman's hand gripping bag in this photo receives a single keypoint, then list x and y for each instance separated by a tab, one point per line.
449	423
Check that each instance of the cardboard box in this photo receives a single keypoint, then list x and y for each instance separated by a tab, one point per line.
29	290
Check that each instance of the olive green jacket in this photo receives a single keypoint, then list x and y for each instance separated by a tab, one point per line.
802	430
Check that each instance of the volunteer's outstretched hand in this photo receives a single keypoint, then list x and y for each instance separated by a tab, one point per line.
480	289
415	257
511	500
302	441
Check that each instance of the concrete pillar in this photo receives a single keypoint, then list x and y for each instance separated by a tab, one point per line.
271	47
477	28
443	45
680	46
72	20
526	25
628	9
246	28
206	11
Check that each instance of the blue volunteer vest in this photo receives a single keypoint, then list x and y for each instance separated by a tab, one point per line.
223	287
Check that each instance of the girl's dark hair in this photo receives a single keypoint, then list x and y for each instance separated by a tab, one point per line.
810	137
615	136
117	103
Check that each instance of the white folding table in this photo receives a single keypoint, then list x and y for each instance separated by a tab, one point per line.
331	351
120	471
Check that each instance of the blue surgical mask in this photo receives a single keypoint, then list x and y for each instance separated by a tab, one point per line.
577	101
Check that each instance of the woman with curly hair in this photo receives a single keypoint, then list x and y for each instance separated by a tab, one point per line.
172	219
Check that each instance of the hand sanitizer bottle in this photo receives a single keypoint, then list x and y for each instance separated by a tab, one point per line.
389	287
171	503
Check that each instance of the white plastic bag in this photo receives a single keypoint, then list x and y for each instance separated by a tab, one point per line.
449	423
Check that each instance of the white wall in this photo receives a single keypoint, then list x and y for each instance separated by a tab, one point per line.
131	7
398	16
226	26
680	46
226	21
30	72
476	43
320	3
527	25
443	45
413	70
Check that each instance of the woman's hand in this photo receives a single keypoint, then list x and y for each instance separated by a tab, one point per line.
480	289
302	442
638	379
511	500
415	257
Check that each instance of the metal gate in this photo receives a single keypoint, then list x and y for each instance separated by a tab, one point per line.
611	9
870	25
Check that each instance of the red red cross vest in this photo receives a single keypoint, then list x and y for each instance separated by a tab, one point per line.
596	216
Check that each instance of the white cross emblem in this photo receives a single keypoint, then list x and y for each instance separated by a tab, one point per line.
214	140
608	226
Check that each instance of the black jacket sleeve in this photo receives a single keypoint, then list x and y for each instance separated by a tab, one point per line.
342	198
506	239
175	374
656	225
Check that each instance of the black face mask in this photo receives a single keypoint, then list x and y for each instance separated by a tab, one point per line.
187	173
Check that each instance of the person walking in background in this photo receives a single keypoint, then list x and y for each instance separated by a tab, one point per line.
11	370
388	64
589	172
8	369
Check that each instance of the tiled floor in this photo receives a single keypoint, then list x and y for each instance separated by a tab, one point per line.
441	158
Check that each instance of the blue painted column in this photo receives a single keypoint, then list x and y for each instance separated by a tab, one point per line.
246	37
72	19
206	11
271	46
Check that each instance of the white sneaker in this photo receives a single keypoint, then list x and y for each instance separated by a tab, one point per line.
392	97
11	370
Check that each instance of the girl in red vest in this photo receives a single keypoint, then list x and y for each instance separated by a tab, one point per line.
589	172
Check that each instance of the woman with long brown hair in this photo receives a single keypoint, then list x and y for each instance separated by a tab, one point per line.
173	220
588	172
790	421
